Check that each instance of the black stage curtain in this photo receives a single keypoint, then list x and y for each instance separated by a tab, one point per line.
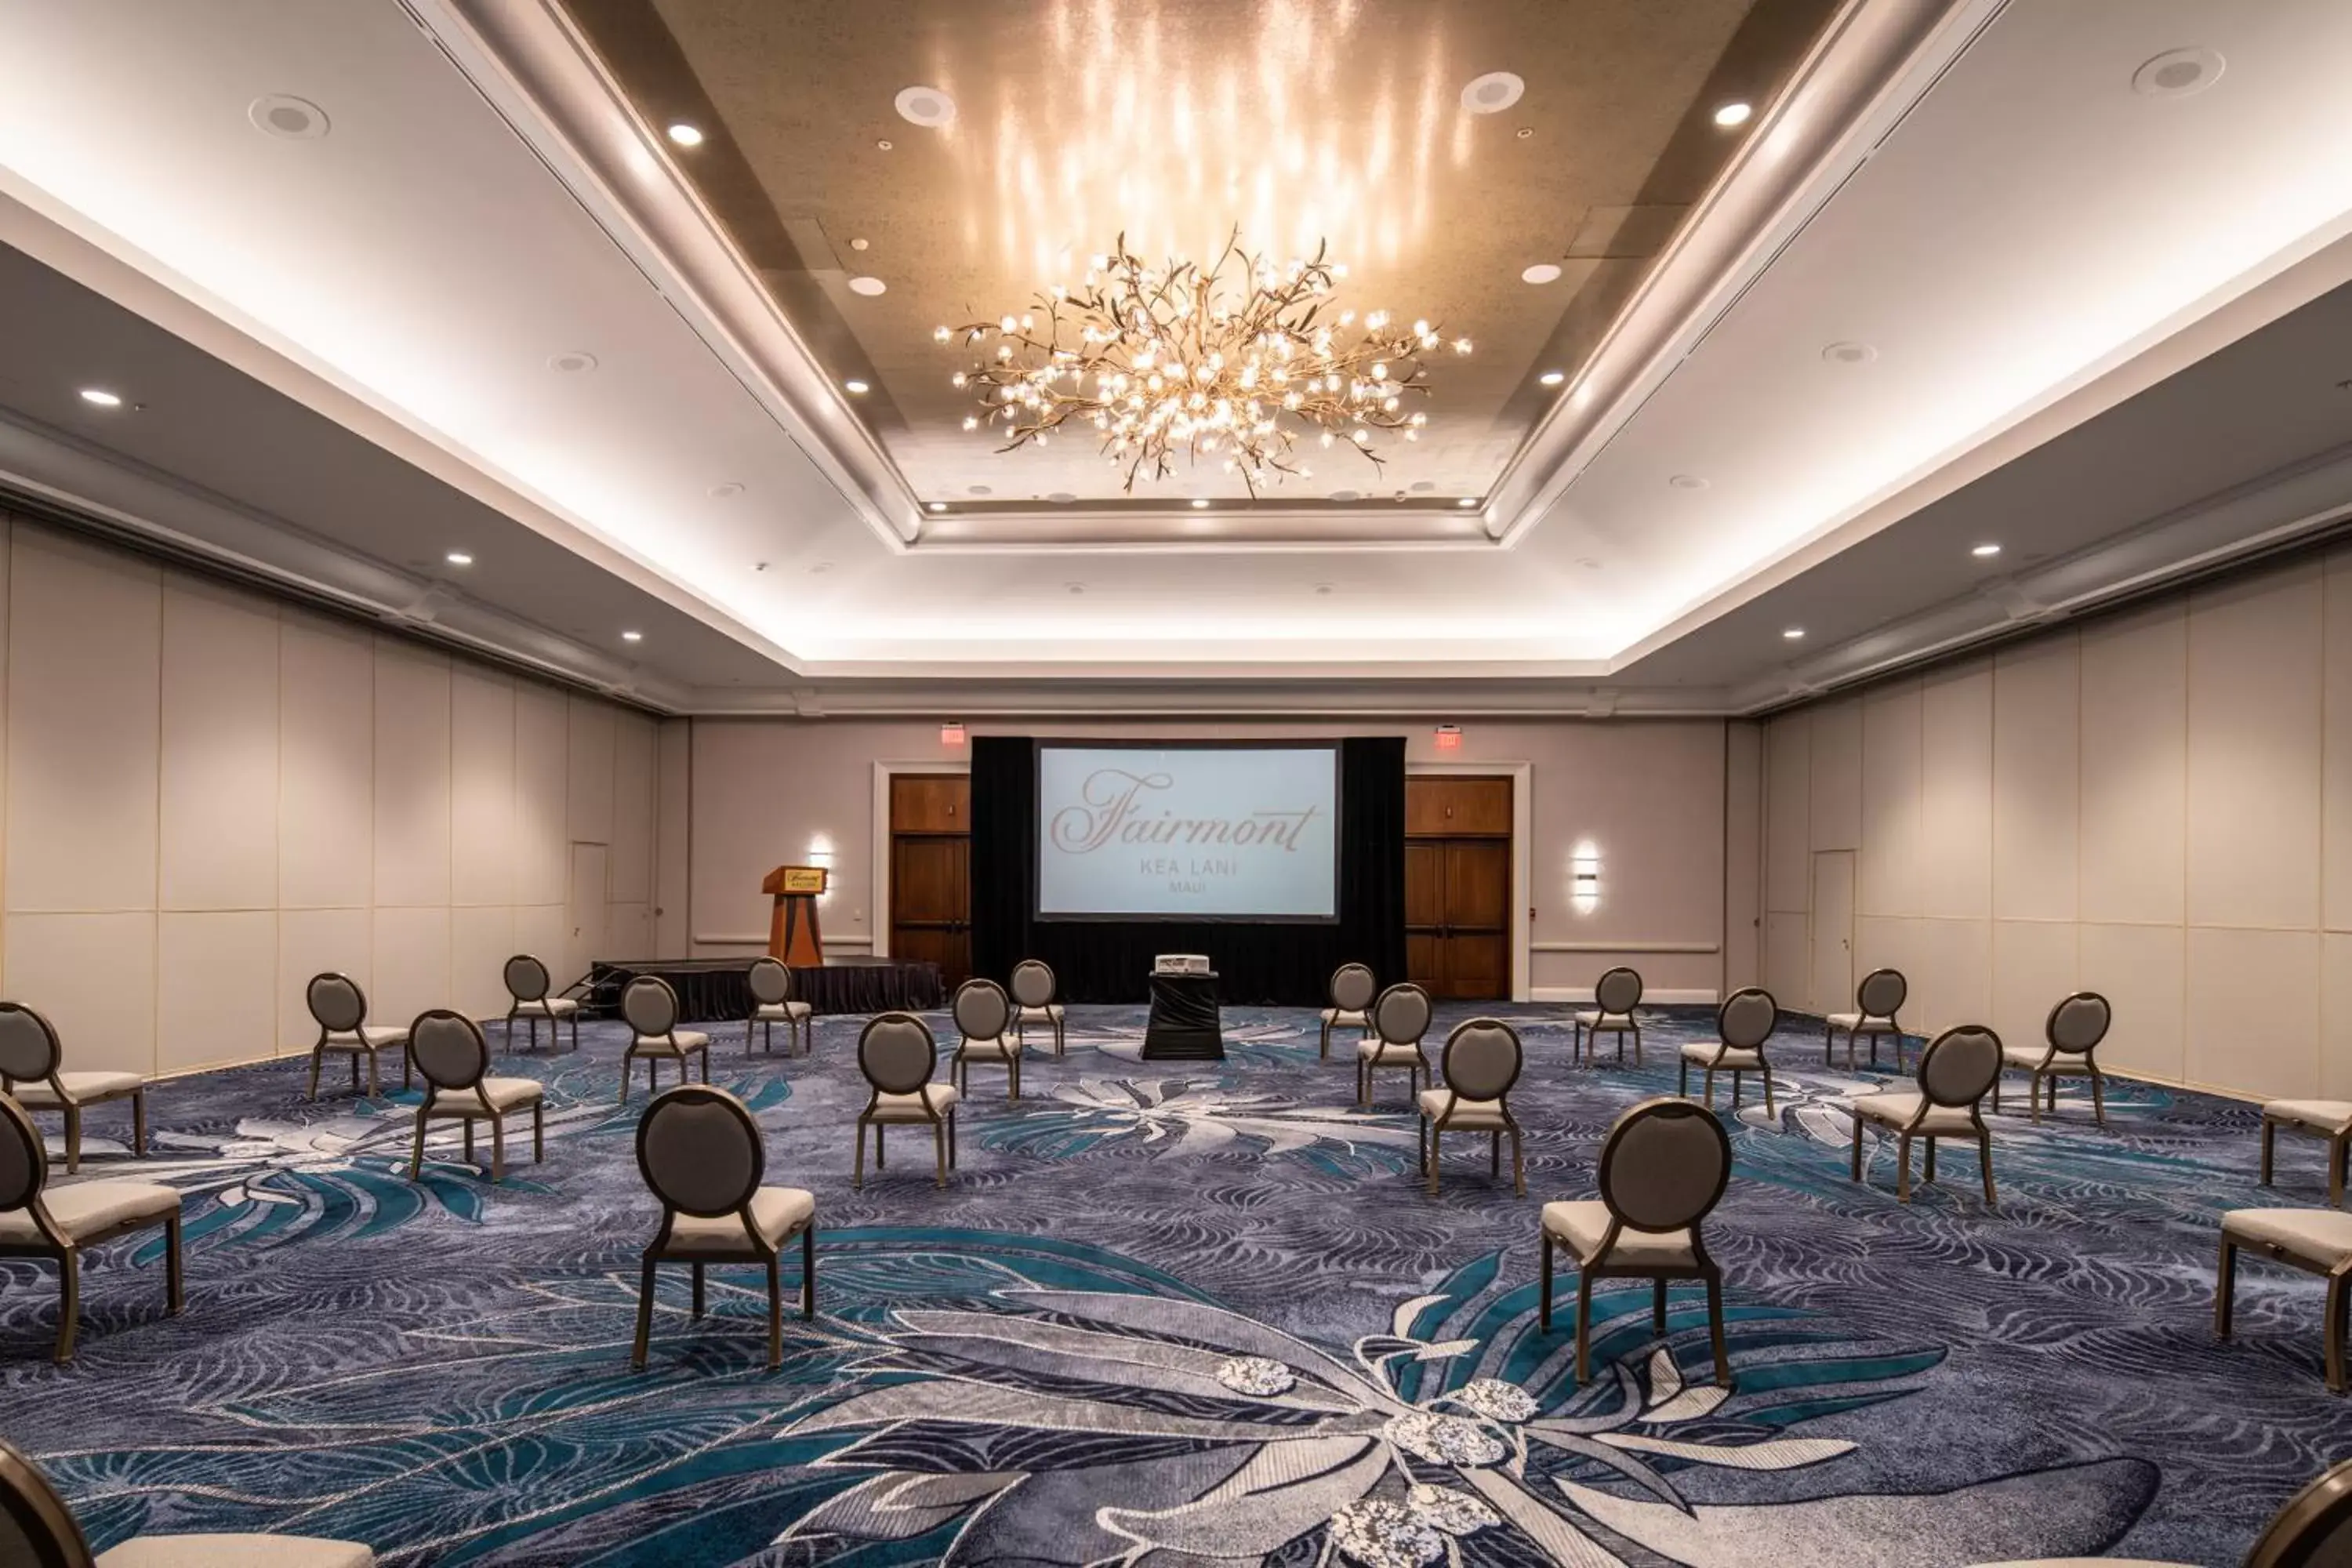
1265	964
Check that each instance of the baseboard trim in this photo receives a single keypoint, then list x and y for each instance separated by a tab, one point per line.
1687	997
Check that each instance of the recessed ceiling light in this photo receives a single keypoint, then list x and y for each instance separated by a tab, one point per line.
936	505
726	491
1322	587
573	361
1794	634
1524	132
855	387
882	145
1467	501
632	636
1492	93
1687	482
1986	551
1541	272
820	569
860	244
289	118
1200	504
1552	377
1849	354
2176	73
926	106
100	396
1076	588
1732	113
759	566
869	287
458	558
686	135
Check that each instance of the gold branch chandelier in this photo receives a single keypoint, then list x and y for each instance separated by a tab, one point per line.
1234	364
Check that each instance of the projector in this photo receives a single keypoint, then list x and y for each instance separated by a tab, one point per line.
1181	963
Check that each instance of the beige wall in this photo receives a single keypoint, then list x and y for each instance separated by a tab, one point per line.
2158	806
212	796
1648	794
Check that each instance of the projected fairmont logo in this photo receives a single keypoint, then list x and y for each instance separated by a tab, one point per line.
1112	809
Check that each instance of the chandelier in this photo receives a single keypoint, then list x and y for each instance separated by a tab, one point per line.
1234	364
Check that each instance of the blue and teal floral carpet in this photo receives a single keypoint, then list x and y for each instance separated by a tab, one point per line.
1180	1313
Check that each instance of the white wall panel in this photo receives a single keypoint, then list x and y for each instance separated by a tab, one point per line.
633	811
217	982
2134	761
542	725
1956	794
2138	969
1881	941
539	929
2035	967
2254	1010
1743	856
2336	763
320	942
84	630
1950	973
326	814
411	775
1836	776
94	977
2254	753
628	930
590	755
481	787
410	962
2036	788
2335	1015
672	800
219	719
1788	806
1886	872
481	939
1789	960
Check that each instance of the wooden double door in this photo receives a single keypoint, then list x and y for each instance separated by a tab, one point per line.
930	872
1457	886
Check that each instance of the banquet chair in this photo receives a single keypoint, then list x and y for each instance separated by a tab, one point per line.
59	1225
1876	1000
339	1007
1033	999
2328	1118
701	1154
983	1017
773	1003
2314	1530
1481	1060
1353	989
1614	996
455	1058
38	1530
898	1056
1955	1071
2316	1241
1400	1018
651	1008
526	987
31	1073
1663	1169
1742	1026
2072	1032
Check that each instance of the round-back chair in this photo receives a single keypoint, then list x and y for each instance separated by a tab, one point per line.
32	1071
449	1050
1742	1025
1663	1169
1034	986
772	1001
2314	1530
527	983
700	1153
61	1225
2070	1034
1401	1016
651	1007
983	1017
898	1054
1955	1071
339	1008
1614	996
37	1530
1876	1000
1482	1060
1352	990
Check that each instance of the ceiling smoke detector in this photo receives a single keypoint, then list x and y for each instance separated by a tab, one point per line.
572	361
1493	93
2178	73
1687	482
925	106
726	491
287	117
1849	354
1061	498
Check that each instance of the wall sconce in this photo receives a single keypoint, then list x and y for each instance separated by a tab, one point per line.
951	732
1449	737
1584	878
820	853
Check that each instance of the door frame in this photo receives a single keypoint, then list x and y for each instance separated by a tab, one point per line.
879	905
1522	777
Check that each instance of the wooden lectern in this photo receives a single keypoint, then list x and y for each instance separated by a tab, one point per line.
793	935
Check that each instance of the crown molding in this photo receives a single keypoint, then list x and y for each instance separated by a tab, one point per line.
1333	699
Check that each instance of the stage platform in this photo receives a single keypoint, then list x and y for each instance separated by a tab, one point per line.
719	990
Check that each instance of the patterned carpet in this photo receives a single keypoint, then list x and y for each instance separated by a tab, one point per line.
1179	1311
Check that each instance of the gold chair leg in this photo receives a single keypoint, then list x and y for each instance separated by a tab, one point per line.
318	1054
2337	1149
416	1159
1984	1163
1544	1321
2225	1288
808	1269
2033	1095
775	1312
538	1131
497	1149
1715	1330
1430	1163
1658	1306
68	1304
1768	1092
857	1166
698	1290
645	1316
139	1123
176	1295
1931	1161
73	1137
939	1151
1518	1165
1902	1165
1583	1327
1857	1148
2334	1328
2098	1099
2270	1143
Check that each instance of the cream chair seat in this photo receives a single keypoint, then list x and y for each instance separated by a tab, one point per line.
339	1007
1482	1060
897	1053
651	1008
926	1104
773	1003
1582	1227
2329	1119
1743	1024
1906	1107
2316	1241
62	1224
36	1527
983	1018
1401	1016
528	985
1468	1115
32	1071
2071	1036
1352	990
455	1058
1957	1070
1615	995
1033	1001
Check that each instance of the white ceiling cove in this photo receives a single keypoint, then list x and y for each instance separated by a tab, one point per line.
489	274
